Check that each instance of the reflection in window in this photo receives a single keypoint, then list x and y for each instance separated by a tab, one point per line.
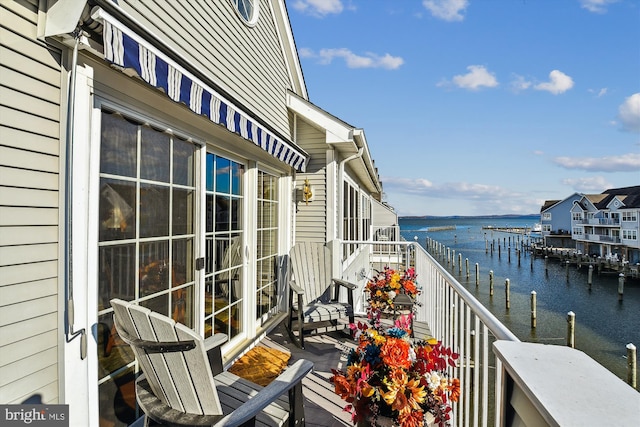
267	250
145	243
224	242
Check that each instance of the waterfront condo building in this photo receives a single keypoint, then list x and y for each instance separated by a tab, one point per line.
607	225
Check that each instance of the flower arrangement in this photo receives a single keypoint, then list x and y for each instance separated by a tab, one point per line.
388	283
391	375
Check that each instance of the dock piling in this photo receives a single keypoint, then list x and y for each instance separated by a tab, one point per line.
620	286
571	329
632	365
590	276
507	283
477	274
491	283
533	310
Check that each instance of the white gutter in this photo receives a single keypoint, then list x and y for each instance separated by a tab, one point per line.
341	189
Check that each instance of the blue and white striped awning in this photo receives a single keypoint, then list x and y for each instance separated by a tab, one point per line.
124	48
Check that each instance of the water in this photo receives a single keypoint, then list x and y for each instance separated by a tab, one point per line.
604	326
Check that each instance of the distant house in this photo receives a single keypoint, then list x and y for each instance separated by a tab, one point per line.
157	151
608	225
555	219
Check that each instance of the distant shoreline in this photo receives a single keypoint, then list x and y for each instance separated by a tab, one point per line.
468	216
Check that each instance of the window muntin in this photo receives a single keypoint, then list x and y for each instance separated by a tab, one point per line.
224	237
576	216
248	10
356	211
267	246
630	234
630	216
146	235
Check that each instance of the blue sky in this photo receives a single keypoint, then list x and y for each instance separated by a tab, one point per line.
475	107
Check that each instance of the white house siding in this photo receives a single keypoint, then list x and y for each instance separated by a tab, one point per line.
382	215
311	219
212	37
30	94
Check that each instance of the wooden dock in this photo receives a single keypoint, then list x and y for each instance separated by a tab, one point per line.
600	265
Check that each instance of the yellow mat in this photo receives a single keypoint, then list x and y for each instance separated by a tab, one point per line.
260	365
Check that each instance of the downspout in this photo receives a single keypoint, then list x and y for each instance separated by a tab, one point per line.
70	334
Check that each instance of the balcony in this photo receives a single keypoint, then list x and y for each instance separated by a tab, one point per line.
599	238
600	221
505	382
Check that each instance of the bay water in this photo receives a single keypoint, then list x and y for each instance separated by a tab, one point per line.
604	325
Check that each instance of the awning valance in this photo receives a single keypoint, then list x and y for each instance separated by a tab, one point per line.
124	48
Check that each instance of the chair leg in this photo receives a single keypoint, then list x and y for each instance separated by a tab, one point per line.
296	406
301	331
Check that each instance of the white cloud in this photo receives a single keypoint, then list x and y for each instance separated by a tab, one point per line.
369	60
596	6
318	8
558	83
447	10
624	163
449	190
629	113
519	83
419	196
477	77
596	184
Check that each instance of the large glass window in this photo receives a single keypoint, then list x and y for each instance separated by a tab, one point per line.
267	247
145	243
224	246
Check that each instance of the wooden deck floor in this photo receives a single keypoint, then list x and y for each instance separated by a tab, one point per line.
329	350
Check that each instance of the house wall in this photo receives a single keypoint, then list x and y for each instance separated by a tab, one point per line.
214	39
311	219
30	129
382	215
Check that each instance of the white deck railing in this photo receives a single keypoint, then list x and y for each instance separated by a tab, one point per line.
453	315
498	388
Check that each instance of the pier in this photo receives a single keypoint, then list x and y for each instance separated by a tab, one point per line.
601	265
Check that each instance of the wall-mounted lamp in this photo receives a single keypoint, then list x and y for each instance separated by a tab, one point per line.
307	191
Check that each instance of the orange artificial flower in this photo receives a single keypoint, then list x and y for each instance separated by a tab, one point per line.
395	352
342	387
411	419
454	389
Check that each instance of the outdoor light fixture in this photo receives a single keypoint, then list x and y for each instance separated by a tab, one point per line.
307	192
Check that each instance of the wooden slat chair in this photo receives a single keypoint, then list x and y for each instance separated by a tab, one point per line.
317	292
183	382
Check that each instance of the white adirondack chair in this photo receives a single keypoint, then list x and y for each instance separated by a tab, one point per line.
317	293
184	383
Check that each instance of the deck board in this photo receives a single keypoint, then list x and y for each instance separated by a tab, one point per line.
327	351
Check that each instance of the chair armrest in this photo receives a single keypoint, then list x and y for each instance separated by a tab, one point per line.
212	346
344	283
214	341
295	288
285	381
